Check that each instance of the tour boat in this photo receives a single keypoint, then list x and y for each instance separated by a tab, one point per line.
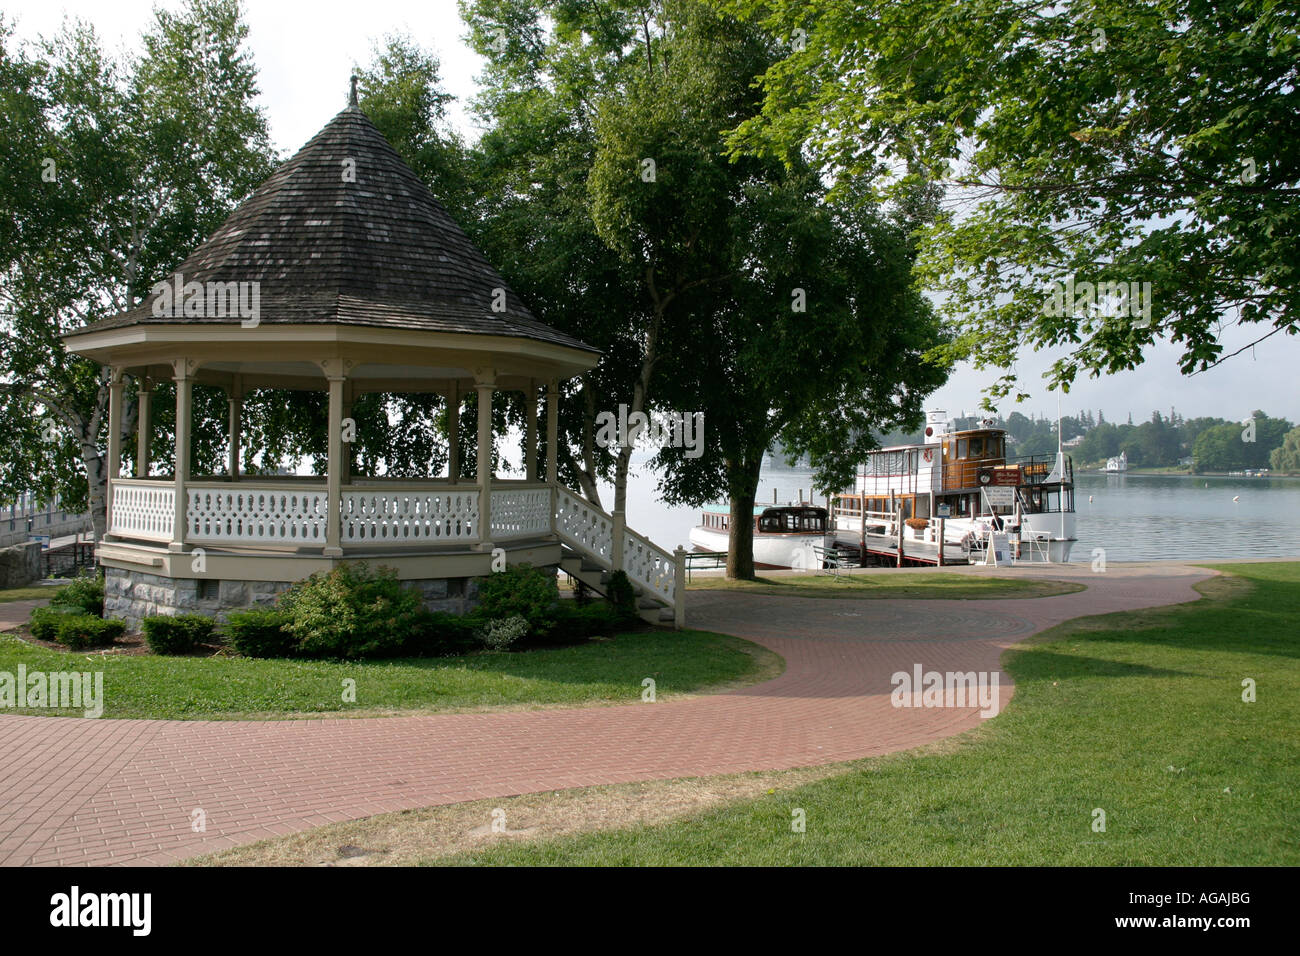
963	483
1118	465
784	535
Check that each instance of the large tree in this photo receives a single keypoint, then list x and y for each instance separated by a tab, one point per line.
112	171
1101	140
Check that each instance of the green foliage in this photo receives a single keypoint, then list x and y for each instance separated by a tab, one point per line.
1286	457
150	150
44	622
1230	447
1105	140
622	597
520	591
502	633
352	612
85	592
260	632
179	634
439	634
77	631
576	623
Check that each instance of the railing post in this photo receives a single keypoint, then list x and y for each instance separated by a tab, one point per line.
898	524
679	588
619	533
941	542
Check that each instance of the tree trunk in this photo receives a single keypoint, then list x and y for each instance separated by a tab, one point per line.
740	534
97	485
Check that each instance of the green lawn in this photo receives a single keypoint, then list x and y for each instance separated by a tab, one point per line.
219	688
893	585
27	594
1137	714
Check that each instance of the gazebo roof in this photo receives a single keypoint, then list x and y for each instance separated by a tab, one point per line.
378	251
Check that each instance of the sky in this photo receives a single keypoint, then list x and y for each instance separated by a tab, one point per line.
305	51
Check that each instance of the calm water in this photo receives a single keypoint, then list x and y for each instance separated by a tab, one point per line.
1134	517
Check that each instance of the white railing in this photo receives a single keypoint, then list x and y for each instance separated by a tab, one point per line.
259	513
143	509
650	566
521	513
399	515
583	526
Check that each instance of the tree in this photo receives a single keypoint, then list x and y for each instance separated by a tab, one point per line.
113	171
1286	457
1099	141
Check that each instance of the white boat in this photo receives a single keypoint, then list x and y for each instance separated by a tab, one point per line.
1117	466
960	481
784	535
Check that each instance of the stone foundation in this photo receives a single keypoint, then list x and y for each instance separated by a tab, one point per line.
135	595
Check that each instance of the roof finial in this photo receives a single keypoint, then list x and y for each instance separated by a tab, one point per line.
352	97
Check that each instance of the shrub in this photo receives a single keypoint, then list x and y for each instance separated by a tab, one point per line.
85	630
176	635
44	622
439	634
520	591
576	623
352	612
86	592
501	633
622	596
261	632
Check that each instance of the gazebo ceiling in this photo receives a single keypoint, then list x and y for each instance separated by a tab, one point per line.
343	236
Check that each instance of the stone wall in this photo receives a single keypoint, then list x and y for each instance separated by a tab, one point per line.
134	595
20	564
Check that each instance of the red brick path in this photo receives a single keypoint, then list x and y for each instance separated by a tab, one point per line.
75	791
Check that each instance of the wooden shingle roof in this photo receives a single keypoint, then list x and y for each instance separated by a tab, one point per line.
376	251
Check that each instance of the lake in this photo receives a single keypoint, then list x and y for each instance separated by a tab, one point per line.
1133	517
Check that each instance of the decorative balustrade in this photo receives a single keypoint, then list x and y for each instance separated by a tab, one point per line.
650	566
292	514
143	509
583	526
398	515
521	513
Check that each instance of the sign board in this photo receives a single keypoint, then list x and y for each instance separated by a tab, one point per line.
1000	496
943	511
999	552
1006	475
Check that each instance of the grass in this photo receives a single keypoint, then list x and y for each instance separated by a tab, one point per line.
1138	714
894	585
27	594
225	688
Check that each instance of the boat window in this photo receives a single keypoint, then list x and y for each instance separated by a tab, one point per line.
770	523
995	448
977	447
962	446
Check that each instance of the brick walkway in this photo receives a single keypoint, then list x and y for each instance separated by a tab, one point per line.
122	791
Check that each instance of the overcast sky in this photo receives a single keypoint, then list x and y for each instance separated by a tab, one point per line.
305	50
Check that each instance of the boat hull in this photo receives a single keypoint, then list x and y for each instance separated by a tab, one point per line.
774	551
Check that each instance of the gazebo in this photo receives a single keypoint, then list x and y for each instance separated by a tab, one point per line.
342	273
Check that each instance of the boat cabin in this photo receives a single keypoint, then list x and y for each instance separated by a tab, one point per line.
772	519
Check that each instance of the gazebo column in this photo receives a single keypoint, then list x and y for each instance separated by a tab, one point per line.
345	471
235	414
552	441
552	431
143	426
334	478
183	371
484	382
114	463
453	434
530	431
